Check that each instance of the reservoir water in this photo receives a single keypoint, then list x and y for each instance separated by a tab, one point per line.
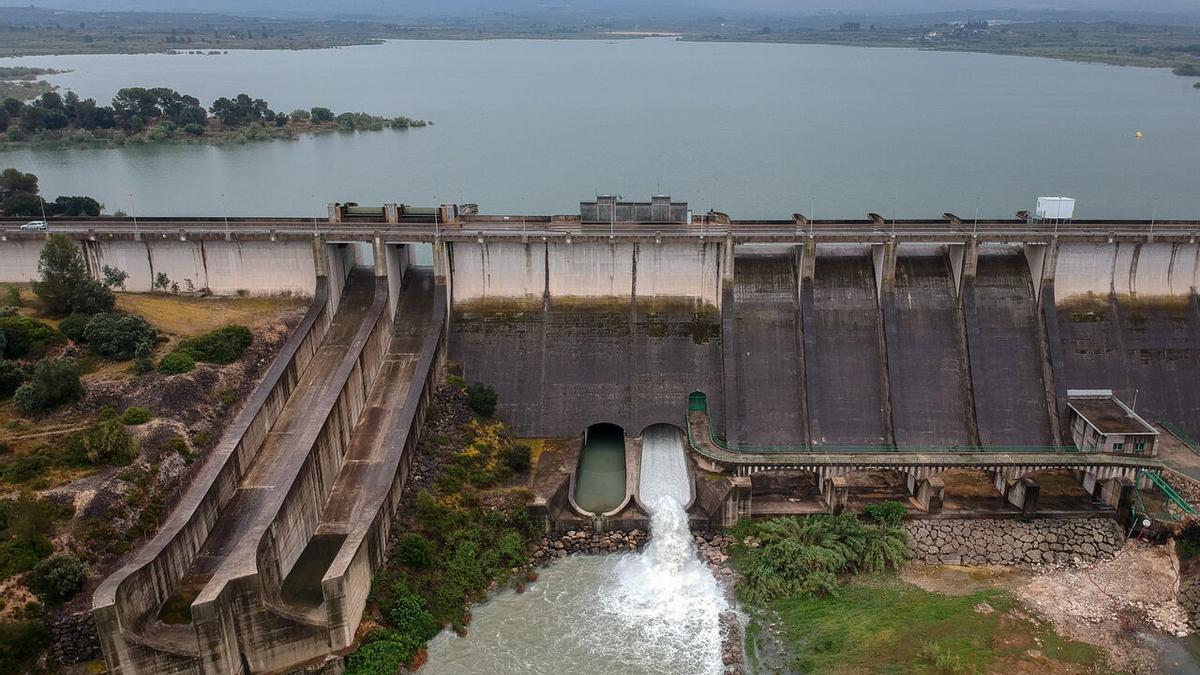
755	130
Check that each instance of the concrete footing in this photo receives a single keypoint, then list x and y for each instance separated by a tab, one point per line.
1020	492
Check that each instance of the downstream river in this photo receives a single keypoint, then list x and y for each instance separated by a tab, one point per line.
755	130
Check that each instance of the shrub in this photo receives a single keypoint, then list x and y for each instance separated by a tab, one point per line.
57	578
383	655
482	399
73	326
25	526
176	363
143	357
117	336
223	345
52	383
104	443
25	337
890	513
415	551
11	377
137	415
91	297
518	458
20	643
805	556
406	612
18	469
12	297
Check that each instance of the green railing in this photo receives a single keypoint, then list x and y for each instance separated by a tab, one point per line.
698	402
1168	491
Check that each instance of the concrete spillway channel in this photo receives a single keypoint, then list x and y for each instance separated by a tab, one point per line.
281	573
1004	337
769	405
927	357
843	351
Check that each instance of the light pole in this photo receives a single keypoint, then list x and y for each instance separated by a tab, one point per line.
225	216
133	210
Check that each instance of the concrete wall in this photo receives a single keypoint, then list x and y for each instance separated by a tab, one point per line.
222	267
19	261
498	271
508	271
1141	269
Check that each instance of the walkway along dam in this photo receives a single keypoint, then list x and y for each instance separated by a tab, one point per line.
789	356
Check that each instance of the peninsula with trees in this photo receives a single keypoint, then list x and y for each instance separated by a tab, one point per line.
140	115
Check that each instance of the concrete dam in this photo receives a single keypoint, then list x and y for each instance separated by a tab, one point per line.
787	356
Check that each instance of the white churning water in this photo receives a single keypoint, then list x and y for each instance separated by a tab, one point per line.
656	611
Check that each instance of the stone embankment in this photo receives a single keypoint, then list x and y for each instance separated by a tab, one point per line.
73	637
557	546
1014	542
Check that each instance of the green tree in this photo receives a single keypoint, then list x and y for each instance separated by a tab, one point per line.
74	206
57	578
321	115
52	383
114	278
62	270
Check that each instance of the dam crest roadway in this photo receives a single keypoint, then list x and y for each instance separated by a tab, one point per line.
803	366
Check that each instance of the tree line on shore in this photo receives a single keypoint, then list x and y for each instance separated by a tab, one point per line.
136	110
19	196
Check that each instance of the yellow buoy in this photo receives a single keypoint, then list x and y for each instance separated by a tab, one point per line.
1138	134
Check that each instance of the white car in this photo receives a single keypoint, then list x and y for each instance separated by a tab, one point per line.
35	225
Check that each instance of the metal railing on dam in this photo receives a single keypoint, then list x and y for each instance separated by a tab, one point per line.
568	228
703	439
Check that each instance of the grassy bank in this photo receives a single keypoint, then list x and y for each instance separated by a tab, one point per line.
884	625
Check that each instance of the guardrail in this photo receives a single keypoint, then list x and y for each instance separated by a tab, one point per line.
698	402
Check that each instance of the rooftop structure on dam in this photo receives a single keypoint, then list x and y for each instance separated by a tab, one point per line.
807	365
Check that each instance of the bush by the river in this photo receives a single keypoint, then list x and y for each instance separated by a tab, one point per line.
808	556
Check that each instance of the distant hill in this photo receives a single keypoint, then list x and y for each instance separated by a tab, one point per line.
1118	9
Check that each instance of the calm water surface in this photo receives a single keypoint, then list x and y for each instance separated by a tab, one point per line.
751	129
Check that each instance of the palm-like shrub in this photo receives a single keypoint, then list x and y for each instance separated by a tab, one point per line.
805	556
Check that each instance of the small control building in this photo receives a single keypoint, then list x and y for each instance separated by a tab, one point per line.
1100	422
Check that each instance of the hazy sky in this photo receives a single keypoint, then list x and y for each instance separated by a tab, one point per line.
450	7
